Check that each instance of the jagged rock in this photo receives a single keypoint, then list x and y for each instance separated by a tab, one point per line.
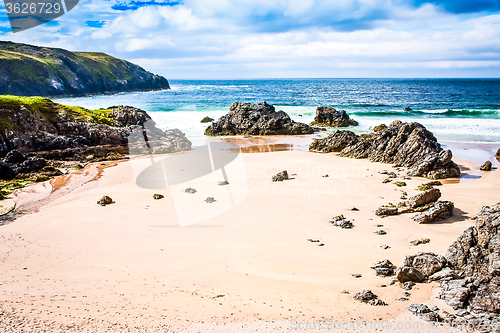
486	166
386	211
408	285
256	119
400	184
366	296
405	274
280	176
157	196
383	268
408	108
48	130
207	120
441	210
105	200
380	232
210	200
329	117
426	197
334	142
471	279
424	312
497	155
380	127
426	262
344	224
404	144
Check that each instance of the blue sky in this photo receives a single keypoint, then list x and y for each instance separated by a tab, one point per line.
283	38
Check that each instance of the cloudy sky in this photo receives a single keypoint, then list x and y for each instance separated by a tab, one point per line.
283	38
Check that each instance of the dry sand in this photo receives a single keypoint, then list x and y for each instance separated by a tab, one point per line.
73	263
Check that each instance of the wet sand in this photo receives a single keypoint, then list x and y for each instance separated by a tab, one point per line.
73	262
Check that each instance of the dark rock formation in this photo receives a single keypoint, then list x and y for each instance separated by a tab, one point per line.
383	268
105	200
342	222
469	271
408	108
329	117
420	241
439	211
256	119
36	129
157	196
280	176
486	166
207	120
405	274
366	296
497	155
403	144
424	312
27	70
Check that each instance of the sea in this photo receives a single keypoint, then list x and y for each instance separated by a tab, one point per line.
455	110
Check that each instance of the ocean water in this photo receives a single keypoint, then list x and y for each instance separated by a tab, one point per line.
455	110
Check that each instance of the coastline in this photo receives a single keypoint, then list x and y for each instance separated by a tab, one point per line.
104	263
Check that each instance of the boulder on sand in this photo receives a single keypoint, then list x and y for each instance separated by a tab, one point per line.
402	144
329	117
256	119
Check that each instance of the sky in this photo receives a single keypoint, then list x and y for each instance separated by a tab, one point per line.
218	39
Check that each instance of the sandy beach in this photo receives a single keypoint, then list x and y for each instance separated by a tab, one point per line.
72	263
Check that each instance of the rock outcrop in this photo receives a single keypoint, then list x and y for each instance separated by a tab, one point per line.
329	117
403	144
35	129
469	270
27	70
256	119
486	166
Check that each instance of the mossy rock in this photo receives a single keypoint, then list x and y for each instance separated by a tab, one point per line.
379	128
207	120
400	184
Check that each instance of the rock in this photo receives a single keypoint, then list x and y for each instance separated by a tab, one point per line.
497	155
325	176
207	120
6	171
344	224
486	166
223	183
366	296
444	274
190	190
408	285
408	108
256	119
386	211
334	142
379	128
427	263
380	232
329	117
280	176
383	268
426	197
354	209
357	276
14	157
386	181
157	196
429	185
405	274
105	200
51	131
404	144
210	200
475	257
400	184
424	312
385	247
441	210
420	241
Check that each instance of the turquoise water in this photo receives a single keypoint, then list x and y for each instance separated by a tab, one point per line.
464	110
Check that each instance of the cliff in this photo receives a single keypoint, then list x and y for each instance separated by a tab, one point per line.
27	70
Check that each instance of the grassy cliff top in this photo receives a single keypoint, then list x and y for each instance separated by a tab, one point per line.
52	111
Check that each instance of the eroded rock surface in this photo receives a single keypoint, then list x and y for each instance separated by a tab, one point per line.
329	117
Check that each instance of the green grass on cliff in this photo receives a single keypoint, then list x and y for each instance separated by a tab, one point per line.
52	111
